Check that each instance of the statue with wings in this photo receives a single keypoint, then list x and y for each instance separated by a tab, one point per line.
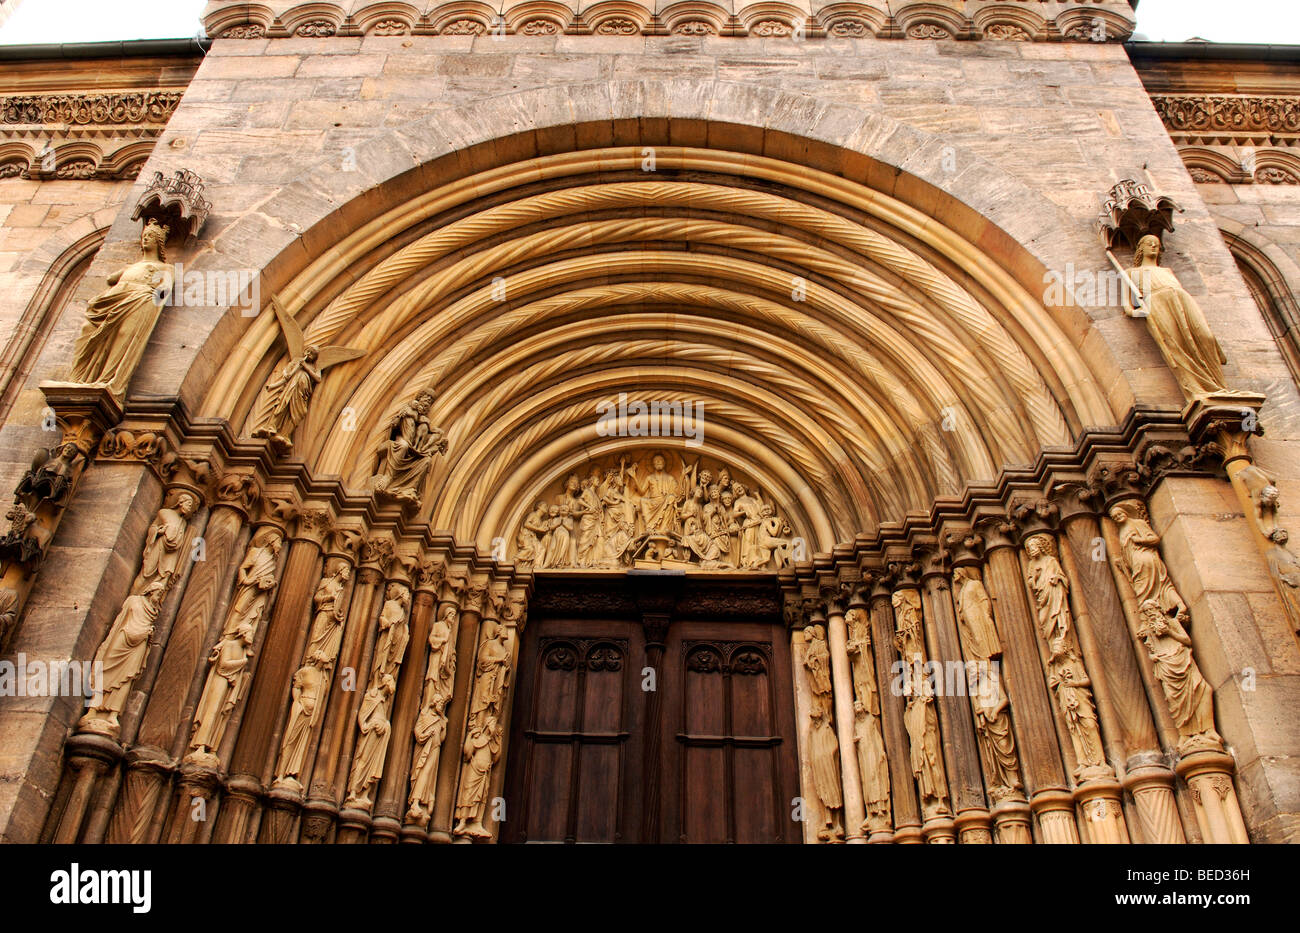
285	398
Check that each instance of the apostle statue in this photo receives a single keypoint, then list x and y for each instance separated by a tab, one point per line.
331	613
1177	324
229	658
120	319
479	754
304	713
284	400
256	579
372	746
1141	560
162	545
431	724
121	657
1066	674
1191	703
402	461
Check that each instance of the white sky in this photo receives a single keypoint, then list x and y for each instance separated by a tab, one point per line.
1268	21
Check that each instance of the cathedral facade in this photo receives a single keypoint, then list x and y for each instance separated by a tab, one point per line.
866	422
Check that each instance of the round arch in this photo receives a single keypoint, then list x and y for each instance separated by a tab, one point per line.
834	315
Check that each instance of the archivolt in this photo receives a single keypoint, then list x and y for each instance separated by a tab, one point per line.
857	357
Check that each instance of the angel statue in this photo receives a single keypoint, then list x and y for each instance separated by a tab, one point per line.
284	400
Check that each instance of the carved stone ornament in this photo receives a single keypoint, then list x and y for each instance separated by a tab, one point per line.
120	320
1131	211
285	399
176	202
403	459
114	108
645	511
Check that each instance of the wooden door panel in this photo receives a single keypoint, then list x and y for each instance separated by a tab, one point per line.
571	763
724	765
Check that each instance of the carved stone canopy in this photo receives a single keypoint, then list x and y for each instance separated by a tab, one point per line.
1131	211
649	509
176	202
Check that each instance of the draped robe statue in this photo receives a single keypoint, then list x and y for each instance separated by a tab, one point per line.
1191	703
1177	324
873	764
120	320
163	543
229	658
1066	674
824	748
372	745
1141	560
331	613
659	494
919	716
431	724
304	713
121	657
403	459
989	702
482	745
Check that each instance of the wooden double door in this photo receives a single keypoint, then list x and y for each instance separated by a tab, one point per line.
652	729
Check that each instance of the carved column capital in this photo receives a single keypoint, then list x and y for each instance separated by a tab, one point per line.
814	611
931	558
313	524
430	574
345	543
965	547
835	596
1037	516
1111	481
378	552
903	574
1225	422
475	597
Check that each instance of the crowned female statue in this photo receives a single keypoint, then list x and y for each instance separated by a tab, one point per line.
1177	324
120	319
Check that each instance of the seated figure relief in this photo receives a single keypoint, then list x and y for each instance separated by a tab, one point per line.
655	510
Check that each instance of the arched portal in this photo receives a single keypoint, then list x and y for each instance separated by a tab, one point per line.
865	354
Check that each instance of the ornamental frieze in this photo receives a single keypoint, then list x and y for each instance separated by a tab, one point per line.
109	109
1091	21
1230	114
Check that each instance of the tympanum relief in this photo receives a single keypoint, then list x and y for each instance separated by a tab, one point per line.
652	510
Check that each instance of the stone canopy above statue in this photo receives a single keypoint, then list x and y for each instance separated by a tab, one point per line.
656	509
